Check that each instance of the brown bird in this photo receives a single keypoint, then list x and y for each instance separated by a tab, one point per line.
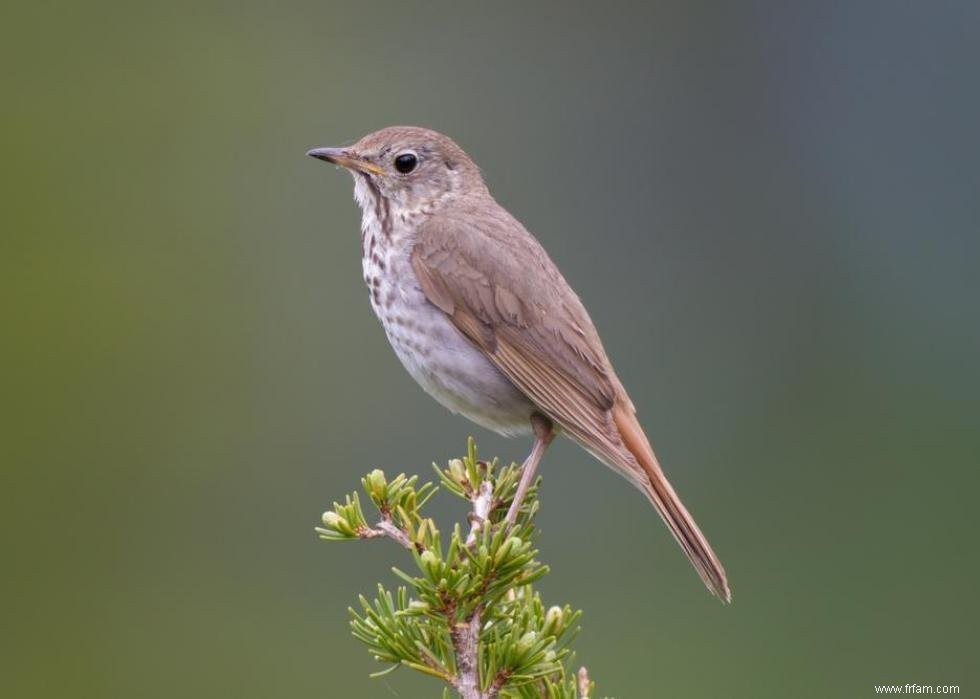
481	317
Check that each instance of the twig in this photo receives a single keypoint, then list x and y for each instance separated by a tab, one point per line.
466	643
386	528
466	635
481	510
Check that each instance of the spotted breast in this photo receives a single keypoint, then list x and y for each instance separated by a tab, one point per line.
437	355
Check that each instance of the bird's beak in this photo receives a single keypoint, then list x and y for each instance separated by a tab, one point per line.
345	158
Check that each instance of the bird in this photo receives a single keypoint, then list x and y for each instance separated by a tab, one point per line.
481	317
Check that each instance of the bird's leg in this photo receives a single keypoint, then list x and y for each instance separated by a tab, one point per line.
543	434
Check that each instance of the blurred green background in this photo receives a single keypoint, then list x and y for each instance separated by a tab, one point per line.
788	195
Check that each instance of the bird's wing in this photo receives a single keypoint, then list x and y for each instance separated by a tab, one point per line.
502	291
500	288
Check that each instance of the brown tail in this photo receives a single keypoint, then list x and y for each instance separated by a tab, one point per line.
670	507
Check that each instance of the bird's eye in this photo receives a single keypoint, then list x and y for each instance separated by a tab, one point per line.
406	162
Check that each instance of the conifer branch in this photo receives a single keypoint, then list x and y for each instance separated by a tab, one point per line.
469	615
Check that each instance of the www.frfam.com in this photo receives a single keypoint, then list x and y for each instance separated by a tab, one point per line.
917	689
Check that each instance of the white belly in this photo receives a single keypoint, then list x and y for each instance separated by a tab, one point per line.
438	356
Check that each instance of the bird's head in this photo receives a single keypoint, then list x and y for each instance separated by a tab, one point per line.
414	169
